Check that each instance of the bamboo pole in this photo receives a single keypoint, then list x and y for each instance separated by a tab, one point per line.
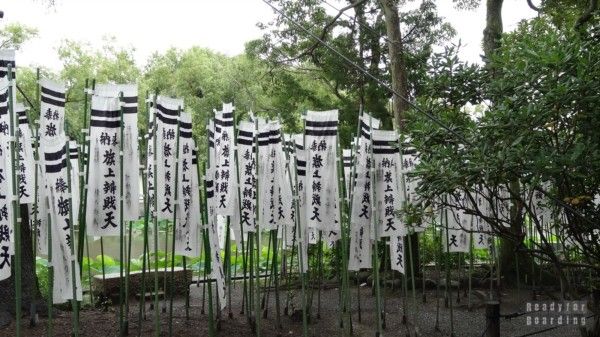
142	304
50	330
74	302
155	220
122	331
174	224
14	145
35	130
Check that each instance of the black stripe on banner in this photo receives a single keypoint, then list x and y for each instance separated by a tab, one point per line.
411	151
55	94
320	132
53	101
301	173
54	155
167	120
263	143
365	134
245	134
22	113
228	115
185	134
56	167
211	144
209	184
217	129
223	123
299	147
325	124
244	141
129	109
185	125
106	114
167	111
194	160
274	140
73	156
385	151
385	142
301	163
210	194
129	100
4	95
105	124
23	121
3	110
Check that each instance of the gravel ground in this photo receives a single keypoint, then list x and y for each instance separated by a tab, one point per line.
96	322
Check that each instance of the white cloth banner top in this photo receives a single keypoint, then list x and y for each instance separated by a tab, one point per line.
52	111
59	204
388	196
26	161
347	158
167	111
131	156
459	224
321	170
103	209
188	215
6	193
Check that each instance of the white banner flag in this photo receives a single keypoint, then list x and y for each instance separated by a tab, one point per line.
360	220
388	197
26	161
6	193
74	160
301	188
52	111
56	176
103	206
321	170
459	224
131	157
167	110
397	252
188	215
224	173
247	172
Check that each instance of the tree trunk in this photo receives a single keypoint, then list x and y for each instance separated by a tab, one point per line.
29	279
397	64
493	27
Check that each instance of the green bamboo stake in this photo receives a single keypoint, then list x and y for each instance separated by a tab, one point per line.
300	239
277	306
256	267
50	330
171	279
375	226
122	330
142	304
14	145
81	236
155	224
244	255
74	302
34	128
471	253
438	260
262	303
227	264
343	212
207	262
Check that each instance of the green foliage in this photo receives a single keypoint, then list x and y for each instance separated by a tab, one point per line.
14	35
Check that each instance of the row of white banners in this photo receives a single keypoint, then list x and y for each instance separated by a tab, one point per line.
261	178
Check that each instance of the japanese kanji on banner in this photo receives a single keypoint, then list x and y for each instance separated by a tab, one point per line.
360	220
103	206
247	174
131	160
321	170
167	110
59	205
459	224
397	252
26	158
386	155
188	214
6	193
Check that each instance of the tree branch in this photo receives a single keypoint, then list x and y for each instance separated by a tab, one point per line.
532	6
588	14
